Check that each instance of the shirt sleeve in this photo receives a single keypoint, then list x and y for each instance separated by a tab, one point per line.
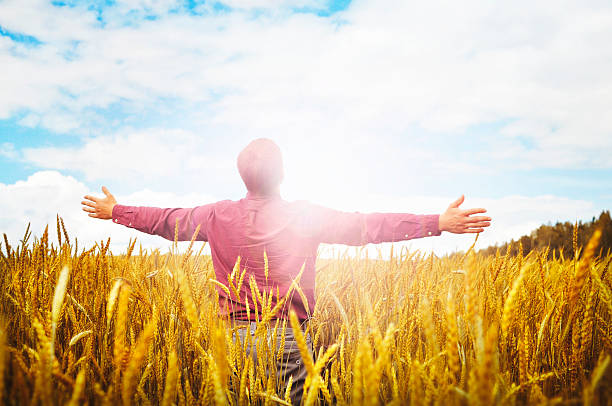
337	227
163	222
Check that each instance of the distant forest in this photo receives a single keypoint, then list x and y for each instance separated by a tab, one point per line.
559	238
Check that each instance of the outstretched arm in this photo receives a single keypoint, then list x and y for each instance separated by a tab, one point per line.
150	220
337	227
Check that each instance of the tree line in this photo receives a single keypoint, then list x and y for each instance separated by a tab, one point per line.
560	237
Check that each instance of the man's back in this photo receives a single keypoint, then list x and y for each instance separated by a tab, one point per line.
252	226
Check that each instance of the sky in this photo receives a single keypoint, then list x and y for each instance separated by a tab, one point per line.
378	106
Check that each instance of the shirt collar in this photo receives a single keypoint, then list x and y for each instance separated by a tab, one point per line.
255	196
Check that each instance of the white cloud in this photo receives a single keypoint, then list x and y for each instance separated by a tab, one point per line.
376	68
7	150
176	156
30	120
44	194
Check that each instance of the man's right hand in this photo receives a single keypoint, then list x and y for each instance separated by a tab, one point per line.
455	220
100	208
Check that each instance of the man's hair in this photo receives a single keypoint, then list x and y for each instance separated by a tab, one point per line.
261	166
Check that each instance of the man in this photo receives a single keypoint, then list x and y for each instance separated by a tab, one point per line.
289	234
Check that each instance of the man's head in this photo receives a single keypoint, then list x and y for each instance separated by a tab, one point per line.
261	166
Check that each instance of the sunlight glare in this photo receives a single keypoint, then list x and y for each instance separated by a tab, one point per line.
320	176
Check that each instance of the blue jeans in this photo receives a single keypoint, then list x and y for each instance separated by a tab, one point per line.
291	363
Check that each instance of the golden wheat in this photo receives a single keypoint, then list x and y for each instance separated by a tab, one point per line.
143	327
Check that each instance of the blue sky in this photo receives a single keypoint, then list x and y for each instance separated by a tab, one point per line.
377	106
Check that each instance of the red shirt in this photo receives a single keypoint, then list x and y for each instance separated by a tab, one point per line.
289	232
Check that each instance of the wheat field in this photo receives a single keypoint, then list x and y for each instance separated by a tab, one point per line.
80	325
